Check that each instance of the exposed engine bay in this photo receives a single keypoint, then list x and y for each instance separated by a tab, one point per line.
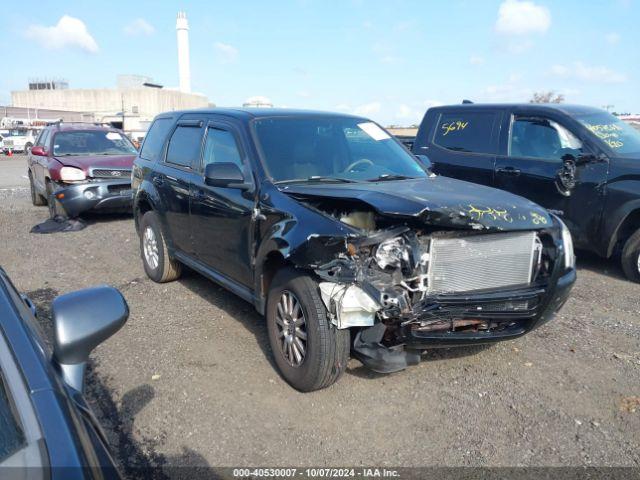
403	278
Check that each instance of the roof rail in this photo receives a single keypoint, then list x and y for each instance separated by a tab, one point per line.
98	124
465	101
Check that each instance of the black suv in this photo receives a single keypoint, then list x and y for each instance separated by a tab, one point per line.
582	163
342	238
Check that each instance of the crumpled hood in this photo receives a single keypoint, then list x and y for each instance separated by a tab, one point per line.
105	161
438	201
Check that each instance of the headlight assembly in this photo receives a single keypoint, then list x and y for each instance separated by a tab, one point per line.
392	252
71	174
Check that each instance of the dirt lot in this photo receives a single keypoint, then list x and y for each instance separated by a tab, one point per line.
189	380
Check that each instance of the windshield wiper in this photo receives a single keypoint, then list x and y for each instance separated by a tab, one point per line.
316	178
389	176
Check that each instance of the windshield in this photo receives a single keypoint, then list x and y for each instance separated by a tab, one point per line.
15	133
92	142
331	148
621	137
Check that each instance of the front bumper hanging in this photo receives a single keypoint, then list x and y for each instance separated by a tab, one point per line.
102	195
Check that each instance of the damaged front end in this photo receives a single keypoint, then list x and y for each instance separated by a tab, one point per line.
403	286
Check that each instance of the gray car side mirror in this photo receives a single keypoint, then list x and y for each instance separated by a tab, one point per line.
82	320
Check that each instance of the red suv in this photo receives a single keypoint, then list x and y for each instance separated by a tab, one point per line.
75	167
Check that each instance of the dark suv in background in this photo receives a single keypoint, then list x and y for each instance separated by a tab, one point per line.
342	238
75	167
581	163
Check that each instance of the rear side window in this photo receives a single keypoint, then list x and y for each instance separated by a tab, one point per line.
469	132
184	146
12	437
221	147
154	140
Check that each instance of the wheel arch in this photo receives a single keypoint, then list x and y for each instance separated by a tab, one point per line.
626	221
266	269
143	204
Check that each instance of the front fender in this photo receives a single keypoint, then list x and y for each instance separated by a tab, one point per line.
614	221
302	236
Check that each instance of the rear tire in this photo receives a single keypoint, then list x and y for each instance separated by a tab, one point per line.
158	265
36	198
325	348
631	257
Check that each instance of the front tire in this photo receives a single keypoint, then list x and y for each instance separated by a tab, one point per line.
631	257
309	351
54	208
36	198
158	265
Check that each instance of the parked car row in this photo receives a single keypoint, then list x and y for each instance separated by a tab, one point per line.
346	242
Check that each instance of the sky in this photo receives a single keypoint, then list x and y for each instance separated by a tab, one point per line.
387	60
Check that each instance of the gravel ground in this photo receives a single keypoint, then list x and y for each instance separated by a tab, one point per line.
189	379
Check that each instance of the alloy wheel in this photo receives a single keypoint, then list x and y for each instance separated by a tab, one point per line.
150	248
291	329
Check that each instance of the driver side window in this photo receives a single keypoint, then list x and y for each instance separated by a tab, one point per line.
539	137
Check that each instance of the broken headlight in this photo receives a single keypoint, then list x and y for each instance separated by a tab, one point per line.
392	253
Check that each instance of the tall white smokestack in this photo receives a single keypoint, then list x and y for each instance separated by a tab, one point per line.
184	69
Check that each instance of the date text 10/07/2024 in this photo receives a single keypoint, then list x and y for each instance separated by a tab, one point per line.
315	473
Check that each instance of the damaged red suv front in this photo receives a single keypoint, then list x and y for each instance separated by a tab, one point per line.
76	167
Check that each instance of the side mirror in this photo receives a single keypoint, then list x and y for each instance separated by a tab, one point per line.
225	175
38	151
82	320
424	160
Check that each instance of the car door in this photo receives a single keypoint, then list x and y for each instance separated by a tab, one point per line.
547	161
38	164
464	144
173	178
221	216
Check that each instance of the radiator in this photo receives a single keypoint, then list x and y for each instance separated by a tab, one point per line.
478	262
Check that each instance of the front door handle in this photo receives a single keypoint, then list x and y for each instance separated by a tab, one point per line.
509	171
199	194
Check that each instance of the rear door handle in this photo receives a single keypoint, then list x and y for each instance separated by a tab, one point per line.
509	171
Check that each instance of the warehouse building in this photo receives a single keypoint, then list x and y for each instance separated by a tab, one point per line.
130	106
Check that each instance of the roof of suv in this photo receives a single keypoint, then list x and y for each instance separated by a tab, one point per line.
249	113
560	107
63	127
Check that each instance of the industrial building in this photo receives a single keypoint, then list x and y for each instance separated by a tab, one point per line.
131	106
